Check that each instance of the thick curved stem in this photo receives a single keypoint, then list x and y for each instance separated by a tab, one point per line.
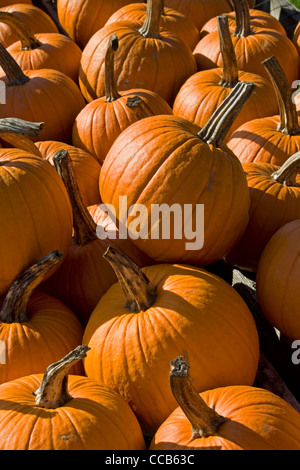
14	307
230	75
27	38
111	92
287	173
53	391
83	224
15	75
21	127
288	112
150	28
204	420
242	18
139	291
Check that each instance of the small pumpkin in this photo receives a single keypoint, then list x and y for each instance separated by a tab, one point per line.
226	418
100	122
277	280
152	312
61	411
271	139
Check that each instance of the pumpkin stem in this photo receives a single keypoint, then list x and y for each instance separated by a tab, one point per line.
287	173
26	37
53	391
142	110
288	113
242	18
14	73
139	291
150	28
111	93
204	420
14	307
217	127
83	224
19	126
230	76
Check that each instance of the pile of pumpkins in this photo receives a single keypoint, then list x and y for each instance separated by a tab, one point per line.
120	342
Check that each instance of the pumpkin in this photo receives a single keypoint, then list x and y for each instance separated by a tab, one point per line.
35	214
275	201
148	57
278	280
86	168
35	326
226	418
100	122
84	275
203	92
42	50
17	133
199	11
272	139
152	312
252	46
75	16
172	20
44	95
60	411
167	162
35	18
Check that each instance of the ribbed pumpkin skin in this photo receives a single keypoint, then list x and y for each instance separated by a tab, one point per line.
83	18
51	331
159	64
95	419
202	94
35	215
257	420
37	20
183	170
99	123
56	52
87	168
199	11
172	20
278	277
260	141
50	97
272	206
194	311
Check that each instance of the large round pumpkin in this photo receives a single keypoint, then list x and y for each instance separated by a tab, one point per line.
58	411
152	313
227	418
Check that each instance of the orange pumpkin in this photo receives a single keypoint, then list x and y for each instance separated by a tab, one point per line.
100	122
199	11
151	313
278	275
227	418
252	46
58	411
296	37
204	91
272	139
148	57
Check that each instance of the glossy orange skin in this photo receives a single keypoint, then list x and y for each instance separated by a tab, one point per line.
202	94
50	97
257	420
258	18
37	20
83	18
251	51
194	311
172	20
260	141
57	52
35	216
170	164
199	11
100	122
96	418
51	332
87	168
272	206
296	37
159	64
278	276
